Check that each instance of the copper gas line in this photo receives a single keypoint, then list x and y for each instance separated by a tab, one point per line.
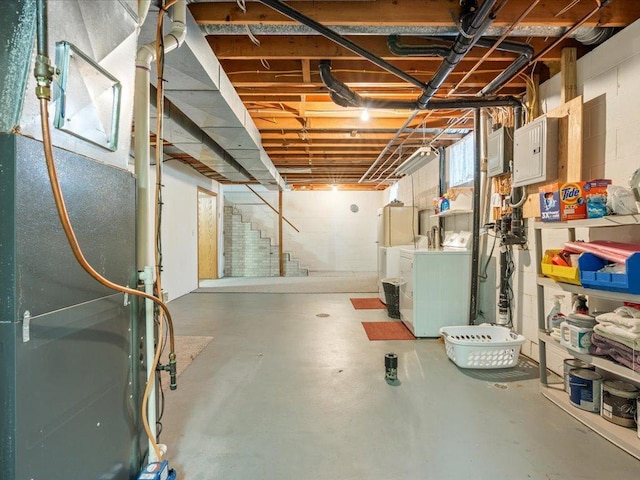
66	223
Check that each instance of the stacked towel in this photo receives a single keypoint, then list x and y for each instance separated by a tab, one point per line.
622	325
617	335
604	346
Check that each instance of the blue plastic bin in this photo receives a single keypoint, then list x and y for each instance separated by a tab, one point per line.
629	282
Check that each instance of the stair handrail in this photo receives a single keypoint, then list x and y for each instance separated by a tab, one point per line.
272	208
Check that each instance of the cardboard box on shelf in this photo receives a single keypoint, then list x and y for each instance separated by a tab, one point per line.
562	202
595	193
573	200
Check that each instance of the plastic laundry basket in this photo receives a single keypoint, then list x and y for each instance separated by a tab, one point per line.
482	346
392	296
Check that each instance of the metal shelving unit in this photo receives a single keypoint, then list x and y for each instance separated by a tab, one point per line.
451	213
624	438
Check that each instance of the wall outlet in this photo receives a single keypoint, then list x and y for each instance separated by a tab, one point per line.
165	296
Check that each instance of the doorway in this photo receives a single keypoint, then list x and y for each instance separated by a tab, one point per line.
207	235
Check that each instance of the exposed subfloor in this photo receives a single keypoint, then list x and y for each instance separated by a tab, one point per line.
281	393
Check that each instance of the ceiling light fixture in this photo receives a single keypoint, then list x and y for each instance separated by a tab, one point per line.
334	188
416	160
364	116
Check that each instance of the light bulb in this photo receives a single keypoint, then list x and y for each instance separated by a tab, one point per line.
335	188
364	116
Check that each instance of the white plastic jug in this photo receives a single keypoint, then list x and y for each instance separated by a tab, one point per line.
577	339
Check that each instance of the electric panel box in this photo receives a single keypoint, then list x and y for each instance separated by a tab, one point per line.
535	155
499	151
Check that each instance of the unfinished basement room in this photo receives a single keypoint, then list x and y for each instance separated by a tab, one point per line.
320	240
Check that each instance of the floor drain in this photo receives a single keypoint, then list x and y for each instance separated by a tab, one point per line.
322	315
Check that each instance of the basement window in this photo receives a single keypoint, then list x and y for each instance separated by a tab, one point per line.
459	162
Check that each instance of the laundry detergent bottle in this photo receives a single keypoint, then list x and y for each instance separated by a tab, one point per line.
555	317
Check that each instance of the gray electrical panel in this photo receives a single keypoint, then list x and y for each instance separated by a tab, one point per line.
535	152
71	378
499	151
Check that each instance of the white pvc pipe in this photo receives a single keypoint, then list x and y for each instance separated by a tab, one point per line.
150	352
143	10
145	214
146	55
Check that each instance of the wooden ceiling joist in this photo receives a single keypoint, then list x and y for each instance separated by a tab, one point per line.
404	13
315	47
301	127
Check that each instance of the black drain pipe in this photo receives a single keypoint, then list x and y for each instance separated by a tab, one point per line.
462	44
475	247
342	95
526	54
471	31
293	14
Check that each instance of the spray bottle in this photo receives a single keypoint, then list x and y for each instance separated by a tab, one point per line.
555	317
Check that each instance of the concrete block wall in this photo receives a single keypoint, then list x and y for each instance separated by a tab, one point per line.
250	254
333	235
607	80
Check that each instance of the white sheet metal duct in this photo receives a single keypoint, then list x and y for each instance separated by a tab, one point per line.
198	86
81	23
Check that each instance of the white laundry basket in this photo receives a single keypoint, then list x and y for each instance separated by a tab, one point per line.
480	346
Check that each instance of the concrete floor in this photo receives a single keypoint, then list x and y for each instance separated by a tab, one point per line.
281	393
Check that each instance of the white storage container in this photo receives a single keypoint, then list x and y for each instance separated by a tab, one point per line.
480	346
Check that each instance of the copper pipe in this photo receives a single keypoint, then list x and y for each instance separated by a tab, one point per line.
68	228
495	46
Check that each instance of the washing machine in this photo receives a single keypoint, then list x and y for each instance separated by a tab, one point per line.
435	285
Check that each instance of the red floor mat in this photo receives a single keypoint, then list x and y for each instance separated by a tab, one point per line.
387	331
367	303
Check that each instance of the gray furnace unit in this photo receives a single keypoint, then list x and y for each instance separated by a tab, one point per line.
69	347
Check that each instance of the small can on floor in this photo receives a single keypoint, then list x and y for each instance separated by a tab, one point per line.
391	367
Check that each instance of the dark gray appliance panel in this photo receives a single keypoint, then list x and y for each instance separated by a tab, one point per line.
75	405
101	204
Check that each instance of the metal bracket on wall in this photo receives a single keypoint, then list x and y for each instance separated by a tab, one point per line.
26	321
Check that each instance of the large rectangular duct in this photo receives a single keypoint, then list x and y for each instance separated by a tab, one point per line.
198	86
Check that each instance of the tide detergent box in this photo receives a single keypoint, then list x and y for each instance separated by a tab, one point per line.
562	202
